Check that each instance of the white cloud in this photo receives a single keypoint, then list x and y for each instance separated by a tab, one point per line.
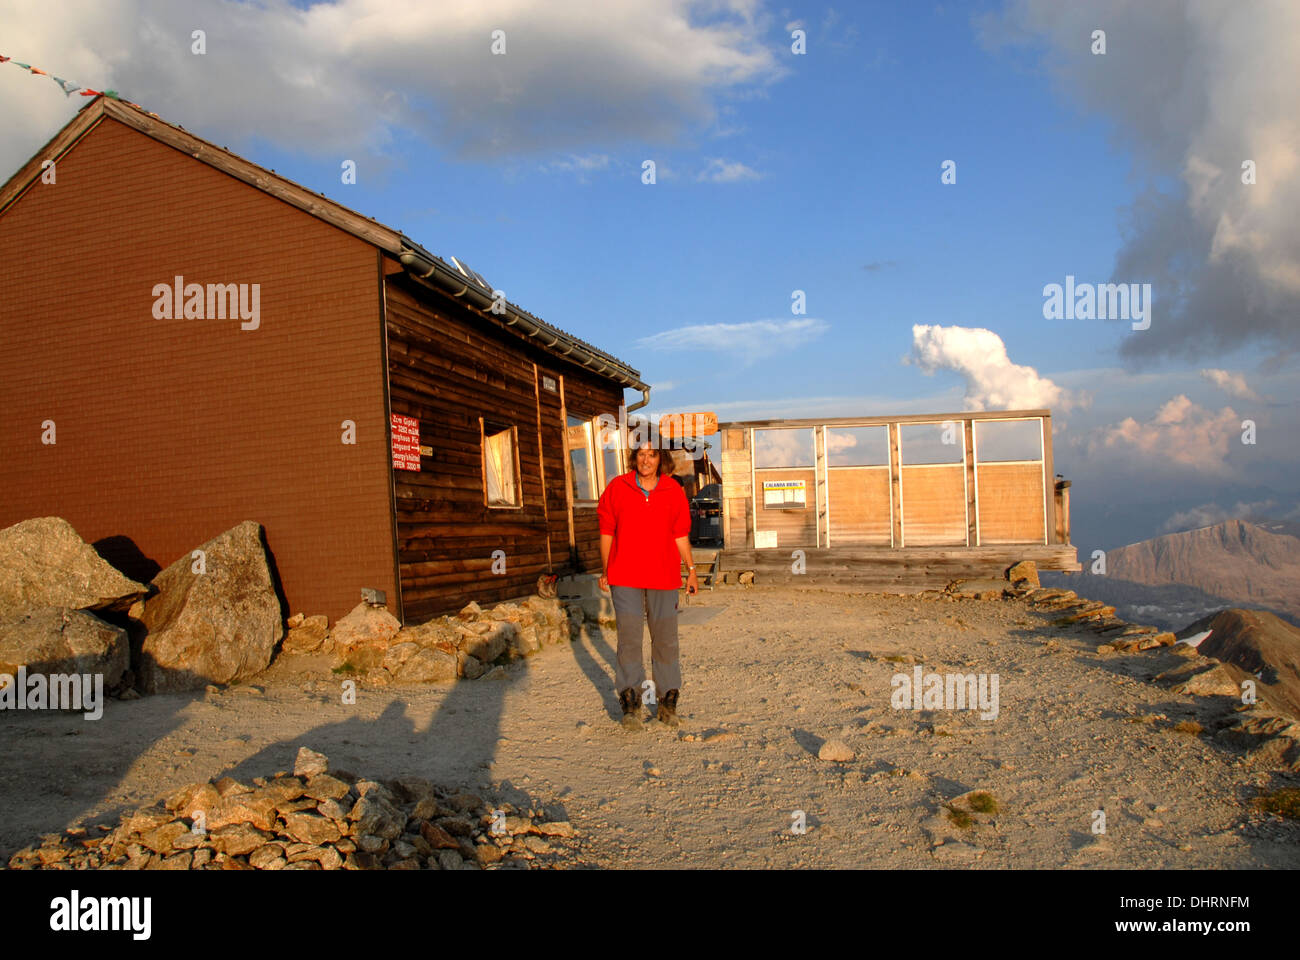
993	382
580	164
1231	383
725	171
1180	433
348	77
1209	514
1192	89
749	341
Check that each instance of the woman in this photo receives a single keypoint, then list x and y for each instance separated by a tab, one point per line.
645	523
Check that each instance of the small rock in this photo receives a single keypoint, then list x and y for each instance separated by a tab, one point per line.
836	751
309	763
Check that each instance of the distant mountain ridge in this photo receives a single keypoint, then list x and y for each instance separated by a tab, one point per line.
1236	560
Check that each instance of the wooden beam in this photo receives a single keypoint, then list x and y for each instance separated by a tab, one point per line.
896	486
541	462
63	141
972	491
568	467
878	421
1049	484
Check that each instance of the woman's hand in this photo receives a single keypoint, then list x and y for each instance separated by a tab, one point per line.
692	584
604	583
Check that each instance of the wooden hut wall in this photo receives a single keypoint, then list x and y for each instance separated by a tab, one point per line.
448	370
967	502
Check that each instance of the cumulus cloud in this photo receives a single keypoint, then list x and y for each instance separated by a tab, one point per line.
579	164
1209	514
993	382
749	341
718	170
353	75
1181	432
1231	383
1194	88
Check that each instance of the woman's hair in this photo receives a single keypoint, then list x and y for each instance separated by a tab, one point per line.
666	462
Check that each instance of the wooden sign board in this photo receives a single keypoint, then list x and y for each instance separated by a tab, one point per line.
406	443
688	424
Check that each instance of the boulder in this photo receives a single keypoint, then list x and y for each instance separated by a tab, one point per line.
979	589
220	625
44	563
525	642
307	635
1025	570
471	668
364	625
61	640
427	665
488	646
1203	678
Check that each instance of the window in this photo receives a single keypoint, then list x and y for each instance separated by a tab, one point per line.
500	465
857	446
582	460
611	440
1009	440
783	448
932	443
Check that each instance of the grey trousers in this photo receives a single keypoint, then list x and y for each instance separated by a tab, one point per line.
632	607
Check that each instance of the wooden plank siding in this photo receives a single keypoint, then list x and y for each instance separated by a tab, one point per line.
448	368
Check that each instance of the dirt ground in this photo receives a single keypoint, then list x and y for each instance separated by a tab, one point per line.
769	674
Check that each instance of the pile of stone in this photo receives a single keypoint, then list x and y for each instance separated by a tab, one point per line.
372	645
313	820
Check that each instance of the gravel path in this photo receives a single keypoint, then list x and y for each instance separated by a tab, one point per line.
770	674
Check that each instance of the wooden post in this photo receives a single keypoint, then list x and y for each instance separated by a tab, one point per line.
1051	522
896	485
819	479
568	469
541	467
972	500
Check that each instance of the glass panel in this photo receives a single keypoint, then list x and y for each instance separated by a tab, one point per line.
783	448
857	446
1008	440
610	457
580	460
502	484
931	442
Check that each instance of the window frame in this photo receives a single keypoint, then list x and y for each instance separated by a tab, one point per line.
587	424
498	427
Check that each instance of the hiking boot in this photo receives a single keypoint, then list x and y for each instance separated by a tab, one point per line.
631	704
668	708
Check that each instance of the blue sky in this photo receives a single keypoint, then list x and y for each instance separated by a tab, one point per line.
818	172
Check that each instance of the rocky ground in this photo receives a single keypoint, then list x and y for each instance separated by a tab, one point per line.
772	675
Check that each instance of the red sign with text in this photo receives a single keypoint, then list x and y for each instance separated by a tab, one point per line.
406	443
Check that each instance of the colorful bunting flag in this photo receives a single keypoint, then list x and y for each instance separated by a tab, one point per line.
67	86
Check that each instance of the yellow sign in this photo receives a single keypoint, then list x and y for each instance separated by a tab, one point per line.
688	424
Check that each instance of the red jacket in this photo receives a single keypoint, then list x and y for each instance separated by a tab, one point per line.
645	531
